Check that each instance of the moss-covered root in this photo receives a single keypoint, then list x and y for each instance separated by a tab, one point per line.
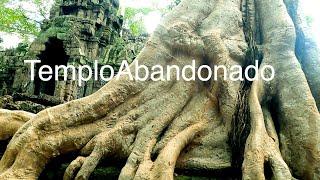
11	121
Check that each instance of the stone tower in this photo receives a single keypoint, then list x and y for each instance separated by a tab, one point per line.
77	33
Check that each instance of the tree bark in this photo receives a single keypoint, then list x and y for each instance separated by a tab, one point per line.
158	126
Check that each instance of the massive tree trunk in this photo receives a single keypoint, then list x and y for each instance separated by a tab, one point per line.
158	126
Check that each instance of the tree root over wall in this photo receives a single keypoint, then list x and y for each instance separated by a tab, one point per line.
158	126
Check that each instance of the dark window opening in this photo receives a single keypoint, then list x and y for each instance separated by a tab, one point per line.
98	26
69	10
53	55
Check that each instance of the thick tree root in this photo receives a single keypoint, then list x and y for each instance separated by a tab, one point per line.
161	168
11	121
307	49
289	93
164	166
262	146
140	126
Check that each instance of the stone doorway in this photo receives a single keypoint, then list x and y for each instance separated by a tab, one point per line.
54	54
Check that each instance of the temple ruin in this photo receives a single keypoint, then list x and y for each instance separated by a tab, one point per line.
77	33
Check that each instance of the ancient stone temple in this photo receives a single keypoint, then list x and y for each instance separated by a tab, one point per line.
77	33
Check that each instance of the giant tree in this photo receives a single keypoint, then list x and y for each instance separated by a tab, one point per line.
160	125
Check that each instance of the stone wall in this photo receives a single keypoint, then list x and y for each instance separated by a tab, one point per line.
11	62
77	33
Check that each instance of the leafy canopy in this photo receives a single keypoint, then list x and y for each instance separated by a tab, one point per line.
134	19
23	16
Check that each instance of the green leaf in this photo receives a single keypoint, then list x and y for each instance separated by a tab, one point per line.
15	19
